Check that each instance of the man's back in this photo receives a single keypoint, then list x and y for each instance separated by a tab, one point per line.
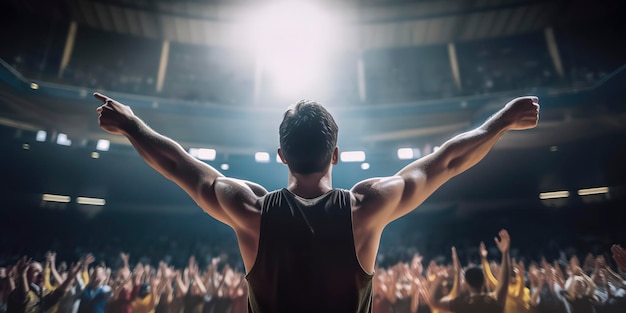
306	259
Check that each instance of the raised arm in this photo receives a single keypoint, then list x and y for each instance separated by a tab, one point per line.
535	298
53	268
84	274
619	256
53	298
182	288
436	302
195	275
492	282
504	244
395	196
196	178
50	269
456	266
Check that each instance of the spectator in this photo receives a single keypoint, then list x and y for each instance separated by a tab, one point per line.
477	300
30	294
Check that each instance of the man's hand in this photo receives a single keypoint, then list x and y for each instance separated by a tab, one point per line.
89	259
113	117
521	113
619	255
504	243
50	257
139	270
483	250
22	265
74	269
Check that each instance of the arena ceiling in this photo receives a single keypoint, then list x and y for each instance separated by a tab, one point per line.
368	24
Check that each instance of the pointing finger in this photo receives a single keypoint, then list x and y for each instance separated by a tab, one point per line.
101	97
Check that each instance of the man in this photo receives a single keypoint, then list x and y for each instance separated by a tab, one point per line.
309	247
95	295
477	300
30	294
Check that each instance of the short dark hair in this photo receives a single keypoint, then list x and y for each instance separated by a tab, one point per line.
308	137
475	277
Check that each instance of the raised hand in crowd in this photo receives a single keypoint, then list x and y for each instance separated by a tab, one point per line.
619	256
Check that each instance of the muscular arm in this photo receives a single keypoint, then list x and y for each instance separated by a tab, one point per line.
403	192
167	157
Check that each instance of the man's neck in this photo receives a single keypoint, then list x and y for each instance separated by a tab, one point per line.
311	185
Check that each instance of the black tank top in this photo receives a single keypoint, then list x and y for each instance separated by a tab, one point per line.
306	259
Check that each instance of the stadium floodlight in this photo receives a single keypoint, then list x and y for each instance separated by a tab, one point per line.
291	38
352	156
203	153
90	201
103	145
224	167
262	157
554	195
408	153
593	191
41	136
365	166
55	198
63	140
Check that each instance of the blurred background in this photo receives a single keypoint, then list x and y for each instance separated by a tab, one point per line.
399	76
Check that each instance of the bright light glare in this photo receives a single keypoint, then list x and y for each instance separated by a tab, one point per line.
263	157
352	156
292	41
224	167
203	153
63	140
103	145
365	166
41	135
55	198
554	195
408	153
593	191
90	201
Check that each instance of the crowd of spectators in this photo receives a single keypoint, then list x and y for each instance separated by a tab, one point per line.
591	283
413	252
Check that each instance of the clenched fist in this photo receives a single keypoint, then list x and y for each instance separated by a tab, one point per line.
521	113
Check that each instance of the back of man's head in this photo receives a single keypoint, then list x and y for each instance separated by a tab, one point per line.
474	277
308	137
